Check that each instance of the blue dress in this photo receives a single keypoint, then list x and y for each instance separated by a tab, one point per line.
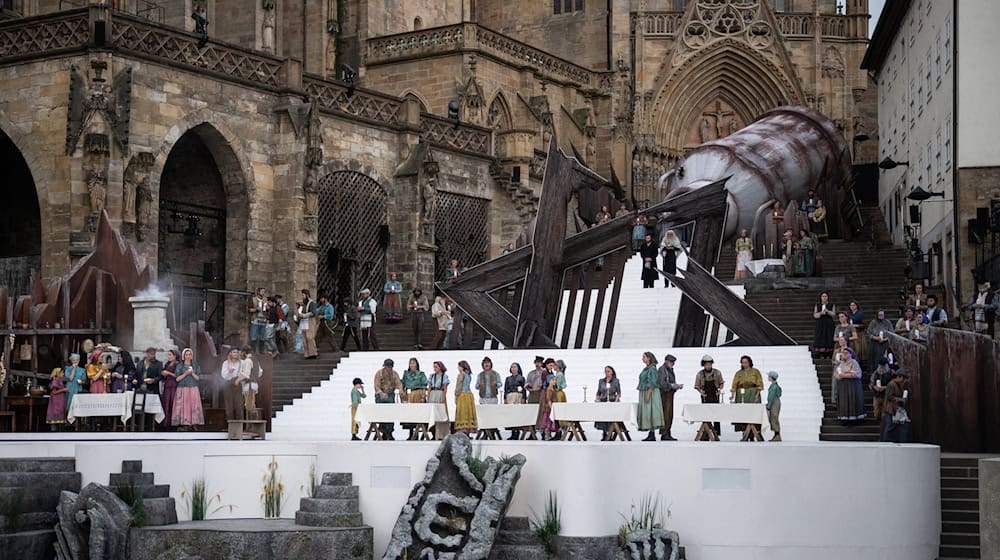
75	377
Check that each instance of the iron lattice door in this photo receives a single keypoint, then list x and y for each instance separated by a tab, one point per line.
353	234
461	231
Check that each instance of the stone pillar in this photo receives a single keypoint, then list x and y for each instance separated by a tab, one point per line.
989	508
150	323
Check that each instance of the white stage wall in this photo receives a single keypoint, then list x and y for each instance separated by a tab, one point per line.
729	501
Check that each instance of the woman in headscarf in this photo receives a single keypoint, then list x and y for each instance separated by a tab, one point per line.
97	374
878	338
123	377
55	414
744	254
75	376
670	245
188	412
850	394
437	386
650	417
609	389
169	390
550	430
465	403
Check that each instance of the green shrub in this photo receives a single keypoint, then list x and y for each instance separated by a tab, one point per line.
548	526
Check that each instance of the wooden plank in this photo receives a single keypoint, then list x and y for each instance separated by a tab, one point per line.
714	339
620	257
718	301
495	320
581	324
570	312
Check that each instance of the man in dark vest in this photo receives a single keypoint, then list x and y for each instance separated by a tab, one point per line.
668	386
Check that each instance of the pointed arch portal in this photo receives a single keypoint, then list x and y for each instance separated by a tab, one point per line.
21	223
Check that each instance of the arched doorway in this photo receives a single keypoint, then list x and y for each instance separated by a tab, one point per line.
21	222
192	238
353	234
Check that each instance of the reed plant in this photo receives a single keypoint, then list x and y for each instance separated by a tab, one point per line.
546	528
273	491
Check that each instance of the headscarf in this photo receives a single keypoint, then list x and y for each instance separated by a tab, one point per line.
185	351
74	355
772	375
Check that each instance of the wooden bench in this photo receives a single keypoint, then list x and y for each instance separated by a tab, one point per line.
255	429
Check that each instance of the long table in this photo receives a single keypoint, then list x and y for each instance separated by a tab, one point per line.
708	413
491	418
421	415
615	414
113	404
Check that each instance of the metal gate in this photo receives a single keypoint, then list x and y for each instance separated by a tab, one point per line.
461	231
353	234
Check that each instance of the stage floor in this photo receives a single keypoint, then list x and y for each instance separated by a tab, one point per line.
728	500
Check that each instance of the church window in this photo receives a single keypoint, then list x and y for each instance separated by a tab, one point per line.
947	43
947	142
566	6
779	5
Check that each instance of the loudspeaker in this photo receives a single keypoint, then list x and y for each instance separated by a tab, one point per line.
383	236
515	174
208	272
914	214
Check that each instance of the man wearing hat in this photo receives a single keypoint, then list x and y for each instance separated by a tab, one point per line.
896	395
357	393
387	382
366	309
535	380
667	382
709	383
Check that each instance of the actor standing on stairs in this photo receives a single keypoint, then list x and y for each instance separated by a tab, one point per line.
668	386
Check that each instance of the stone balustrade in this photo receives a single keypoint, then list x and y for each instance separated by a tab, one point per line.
470	37
667	24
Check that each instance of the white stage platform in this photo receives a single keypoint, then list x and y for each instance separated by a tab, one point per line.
324	414
728	501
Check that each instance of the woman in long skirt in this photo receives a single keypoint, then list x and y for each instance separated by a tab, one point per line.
391	292
55	416
465	403
187	402
746	388
850	395
744	254
878	338
823	312
169	389
437	386
650	416
97	374
548	426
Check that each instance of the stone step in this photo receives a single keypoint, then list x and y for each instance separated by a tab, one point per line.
960	494
328	505
38	478
38	464
159	511
947	482
960	505
959	462
337	492
131	467
131	478
848	437
37	498
959	539
954	516
516	524
516	538
149	491
312	519
518	552
959	472
337	479
958	551
32	521
28	544
960	528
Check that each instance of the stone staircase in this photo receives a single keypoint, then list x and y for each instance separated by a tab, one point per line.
159	508
295	376
524	197
516	541
959	506
334	505
29	494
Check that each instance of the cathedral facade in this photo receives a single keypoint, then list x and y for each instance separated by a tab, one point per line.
323	145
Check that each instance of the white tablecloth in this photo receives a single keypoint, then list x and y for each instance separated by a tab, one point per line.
501	416
112	404
594	412
726	414
758	266
415	413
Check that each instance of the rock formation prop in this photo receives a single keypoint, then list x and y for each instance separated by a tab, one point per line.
93	525
454	513
657	544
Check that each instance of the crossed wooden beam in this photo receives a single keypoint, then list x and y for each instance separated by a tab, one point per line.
542	263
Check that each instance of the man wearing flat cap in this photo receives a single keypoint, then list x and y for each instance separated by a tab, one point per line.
709	384
667	382
534	382
387	383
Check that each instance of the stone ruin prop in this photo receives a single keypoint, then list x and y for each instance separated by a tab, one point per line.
93	525
657	544
453	514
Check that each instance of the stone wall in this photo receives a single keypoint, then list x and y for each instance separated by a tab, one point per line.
977	188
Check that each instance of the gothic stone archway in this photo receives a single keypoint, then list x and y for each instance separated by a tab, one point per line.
353	234
20	222
201	241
